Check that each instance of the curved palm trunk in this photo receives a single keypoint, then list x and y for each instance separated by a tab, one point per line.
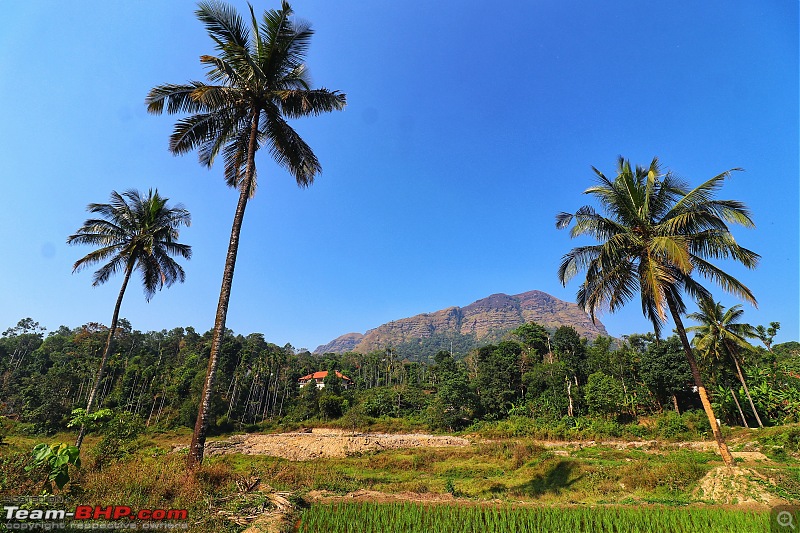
106	352
727	458
739	407
197	447
746	391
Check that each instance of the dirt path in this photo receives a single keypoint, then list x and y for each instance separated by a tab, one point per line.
325	443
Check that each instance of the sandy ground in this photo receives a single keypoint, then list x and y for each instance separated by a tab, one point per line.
321	442
325	443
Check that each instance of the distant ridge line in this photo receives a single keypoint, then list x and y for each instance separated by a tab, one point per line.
485	320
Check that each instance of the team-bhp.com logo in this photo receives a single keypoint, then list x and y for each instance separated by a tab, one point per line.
110	517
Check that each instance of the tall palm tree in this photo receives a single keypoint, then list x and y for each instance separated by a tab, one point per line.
133	232
721	337
257	80
657	234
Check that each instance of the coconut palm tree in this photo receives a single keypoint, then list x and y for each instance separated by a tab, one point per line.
257	80
721	337
655	238
133	232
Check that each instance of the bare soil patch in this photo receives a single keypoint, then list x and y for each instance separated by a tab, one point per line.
326	443
739	486
324	496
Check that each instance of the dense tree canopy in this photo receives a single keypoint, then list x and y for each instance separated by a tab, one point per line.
158	376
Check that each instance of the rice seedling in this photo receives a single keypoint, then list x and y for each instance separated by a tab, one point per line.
367	517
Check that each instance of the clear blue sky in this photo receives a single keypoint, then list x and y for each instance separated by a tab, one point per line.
469	125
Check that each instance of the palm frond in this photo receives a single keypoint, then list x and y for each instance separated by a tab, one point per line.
575	261
289	150
703	193
717	244
179	98
300	103
117	264
223	23
563	220
727	282
235	154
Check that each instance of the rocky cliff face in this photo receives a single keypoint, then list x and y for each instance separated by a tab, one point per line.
345	343
487	318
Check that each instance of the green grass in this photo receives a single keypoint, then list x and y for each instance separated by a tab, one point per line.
509	471
417	518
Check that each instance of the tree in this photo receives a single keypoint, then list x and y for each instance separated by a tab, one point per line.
453	406
133	232
258	79
332	382
720	336
664	369
603	394
21	340
655	237
767	335
534	338
570	351
498	380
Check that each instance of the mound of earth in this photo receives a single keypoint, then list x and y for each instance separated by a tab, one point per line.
325	443
736	485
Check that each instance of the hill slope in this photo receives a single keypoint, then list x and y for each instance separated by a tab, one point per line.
481	322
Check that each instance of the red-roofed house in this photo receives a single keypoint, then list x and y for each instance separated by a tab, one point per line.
319	379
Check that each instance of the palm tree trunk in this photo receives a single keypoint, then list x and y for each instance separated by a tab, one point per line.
746	391
197	446
570	411
675	403
106	352
727	458
739	407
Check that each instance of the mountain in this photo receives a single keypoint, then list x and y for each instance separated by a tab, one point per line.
484	321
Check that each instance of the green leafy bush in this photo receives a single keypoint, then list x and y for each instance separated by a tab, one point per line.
119	429
57	458
603	394
784	437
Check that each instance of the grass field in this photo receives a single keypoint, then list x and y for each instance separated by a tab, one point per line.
491	485
416	518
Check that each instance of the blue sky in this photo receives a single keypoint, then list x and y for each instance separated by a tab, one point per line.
468	127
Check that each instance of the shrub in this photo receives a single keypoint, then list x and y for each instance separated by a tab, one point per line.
15	478
601	428
331	406
603	394
354	419
786	437
56	459
119	429
670	425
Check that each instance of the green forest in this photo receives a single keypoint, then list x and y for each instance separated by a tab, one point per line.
544	381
